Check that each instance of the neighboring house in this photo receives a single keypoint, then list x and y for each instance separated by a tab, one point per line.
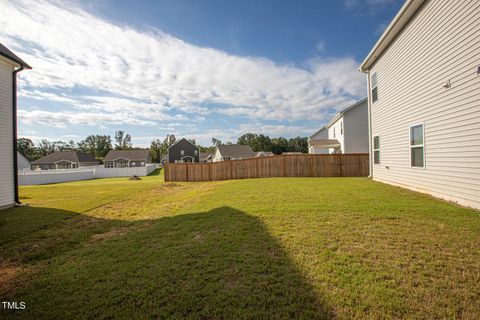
424	107
183	151
64	160
22	162
233	152
206	157
127	158
264	154
10	65
347	132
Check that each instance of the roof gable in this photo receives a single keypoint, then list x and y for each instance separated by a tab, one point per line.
346	110
183	139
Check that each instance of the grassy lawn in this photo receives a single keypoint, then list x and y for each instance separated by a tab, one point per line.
281	248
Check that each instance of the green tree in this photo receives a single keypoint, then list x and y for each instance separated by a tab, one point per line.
169	140
216	142
45	147
96	145
27	148
123	141
156	150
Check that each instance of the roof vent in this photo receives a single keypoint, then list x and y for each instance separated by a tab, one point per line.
447	84
478	70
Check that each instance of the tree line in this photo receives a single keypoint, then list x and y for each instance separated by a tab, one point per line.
100	145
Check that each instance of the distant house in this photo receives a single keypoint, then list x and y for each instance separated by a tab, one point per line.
127	158
424	110
347	132
10	65
264	154
206	157
183	151
64	160
22	162
233	152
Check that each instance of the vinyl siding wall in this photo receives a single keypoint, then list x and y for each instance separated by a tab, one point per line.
7	197
441	42
339	135
322	134
355	126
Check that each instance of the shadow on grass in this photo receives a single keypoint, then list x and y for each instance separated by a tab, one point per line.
212	265
155	172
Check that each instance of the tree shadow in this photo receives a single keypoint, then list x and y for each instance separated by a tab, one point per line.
211	265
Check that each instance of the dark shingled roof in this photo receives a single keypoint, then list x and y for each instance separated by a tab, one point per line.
4	51
205	155
128	154
236	151
72	156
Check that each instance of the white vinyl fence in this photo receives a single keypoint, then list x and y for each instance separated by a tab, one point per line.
26	178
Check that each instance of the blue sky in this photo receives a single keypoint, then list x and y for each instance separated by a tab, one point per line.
197	69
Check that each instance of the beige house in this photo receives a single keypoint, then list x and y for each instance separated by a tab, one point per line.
424	100
10	65
233	152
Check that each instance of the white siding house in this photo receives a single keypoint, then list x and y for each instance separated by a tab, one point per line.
9	65
347	132
424	100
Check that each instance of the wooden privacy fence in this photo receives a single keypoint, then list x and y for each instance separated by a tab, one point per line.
301	165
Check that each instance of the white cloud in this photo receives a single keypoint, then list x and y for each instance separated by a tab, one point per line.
153	72
63	119
320	45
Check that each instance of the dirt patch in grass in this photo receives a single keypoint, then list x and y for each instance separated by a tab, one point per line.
170	185
10	276
118	232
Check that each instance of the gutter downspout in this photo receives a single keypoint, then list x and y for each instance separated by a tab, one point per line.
15	135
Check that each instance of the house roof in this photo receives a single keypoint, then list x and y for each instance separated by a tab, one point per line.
341	113
317	132
72	156
264	154
205	155
408	10
142	154
324	143
5	52
193	144
236	151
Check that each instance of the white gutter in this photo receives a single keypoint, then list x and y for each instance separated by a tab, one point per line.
408	10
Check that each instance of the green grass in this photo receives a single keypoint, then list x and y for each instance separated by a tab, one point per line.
281	248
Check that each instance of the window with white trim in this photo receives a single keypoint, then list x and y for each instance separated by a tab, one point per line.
376	150
374	87
182	152
417	147
341	127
